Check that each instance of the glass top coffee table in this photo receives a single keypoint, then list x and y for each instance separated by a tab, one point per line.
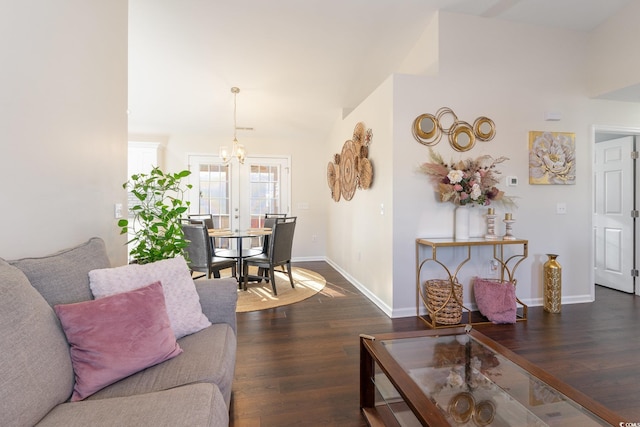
461	377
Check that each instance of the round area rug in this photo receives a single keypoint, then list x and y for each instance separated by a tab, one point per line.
259	296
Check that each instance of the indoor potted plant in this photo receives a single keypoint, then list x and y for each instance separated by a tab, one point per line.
154	220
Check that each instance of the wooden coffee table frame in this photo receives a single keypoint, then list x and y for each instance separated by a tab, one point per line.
372	352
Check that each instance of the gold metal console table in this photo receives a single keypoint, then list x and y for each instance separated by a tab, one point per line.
508	267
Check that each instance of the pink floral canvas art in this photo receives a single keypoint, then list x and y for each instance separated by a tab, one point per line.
552	158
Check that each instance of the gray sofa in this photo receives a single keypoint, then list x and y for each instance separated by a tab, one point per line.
36	375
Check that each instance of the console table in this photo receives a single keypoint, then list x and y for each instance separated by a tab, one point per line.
461	377
507	266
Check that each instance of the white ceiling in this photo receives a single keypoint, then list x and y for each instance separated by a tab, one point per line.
298	63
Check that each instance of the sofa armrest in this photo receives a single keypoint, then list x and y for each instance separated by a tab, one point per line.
218	298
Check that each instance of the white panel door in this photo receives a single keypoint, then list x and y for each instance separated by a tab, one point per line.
613	224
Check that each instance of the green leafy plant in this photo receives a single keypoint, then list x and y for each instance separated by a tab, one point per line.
155	224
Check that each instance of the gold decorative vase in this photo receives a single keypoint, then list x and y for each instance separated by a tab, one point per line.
552	285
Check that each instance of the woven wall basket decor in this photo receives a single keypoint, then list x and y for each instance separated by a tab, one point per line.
351	169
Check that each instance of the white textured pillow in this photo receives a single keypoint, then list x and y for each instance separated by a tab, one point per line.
183	303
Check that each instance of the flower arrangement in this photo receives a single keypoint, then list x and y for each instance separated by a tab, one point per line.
467	182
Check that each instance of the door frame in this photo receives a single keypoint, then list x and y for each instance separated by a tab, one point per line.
611	132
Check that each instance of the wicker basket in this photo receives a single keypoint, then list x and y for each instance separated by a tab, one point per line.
442	306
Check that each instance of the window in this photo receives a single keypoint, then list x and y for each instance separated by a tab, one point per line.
238	196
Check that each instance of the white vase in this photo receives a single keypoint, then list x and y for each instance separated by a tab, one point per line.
461	226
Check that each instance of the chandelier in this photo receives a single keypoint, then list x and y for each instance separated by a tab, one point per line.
237	150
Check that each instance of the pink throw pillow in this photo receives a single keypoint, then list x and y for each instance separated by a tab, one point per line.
496	300
116	336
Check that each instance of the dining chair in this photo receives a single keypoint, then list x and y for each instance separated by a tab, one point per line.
277	255
207	218
200	257
269	222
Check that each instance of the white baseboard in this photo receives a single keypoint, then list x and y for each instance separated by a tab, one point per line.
411	311
309	258
371	296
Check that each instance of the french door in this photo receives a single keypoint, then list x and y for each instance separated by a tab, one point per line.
238	195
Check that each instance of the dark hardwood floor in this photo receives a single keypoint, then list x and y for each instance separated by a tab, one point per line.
298	365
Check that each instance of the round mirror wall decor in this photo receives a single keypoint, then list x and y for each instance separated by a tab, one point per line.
462	137
428	129
484	128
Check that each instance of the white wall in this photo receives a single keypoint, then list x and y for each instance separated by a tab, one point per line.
614	62
63	125
359	231
513	74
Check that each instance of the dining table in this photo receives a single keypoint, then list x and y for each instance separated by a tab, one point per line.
239	253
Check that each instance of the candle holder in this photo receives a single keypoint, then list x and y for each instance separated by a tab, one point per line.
509	226
491	227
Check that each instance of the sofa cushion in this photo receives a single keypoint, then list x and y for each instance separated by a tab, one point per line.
208	356
496	299
183	303
116	336
219	299
194	405
63	277
35	368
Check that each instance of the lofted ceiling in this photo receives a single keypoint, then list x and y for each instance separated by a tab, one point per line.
298	64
